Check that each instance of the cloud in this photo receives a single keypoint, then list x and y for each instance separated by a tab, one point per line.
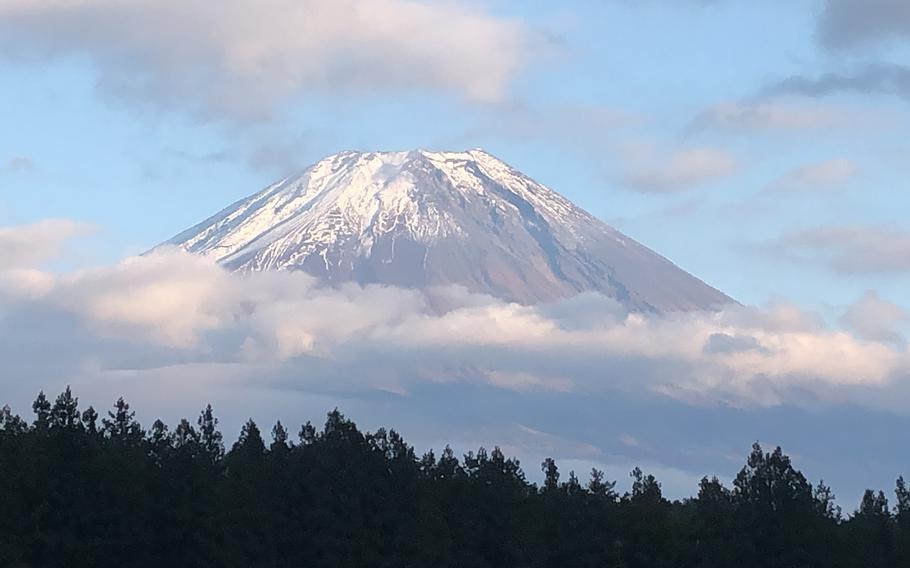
169	309
680	170
876	319
29	246
574	379
819	176
872	78
846	24
723	343
777	116
20	164
852	249
246	58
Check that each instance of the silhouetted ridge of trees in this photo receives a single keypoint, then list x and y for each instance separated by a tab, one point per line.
86	489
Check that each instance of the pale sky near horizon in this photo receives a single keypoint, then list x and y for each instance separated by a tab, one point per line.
761	146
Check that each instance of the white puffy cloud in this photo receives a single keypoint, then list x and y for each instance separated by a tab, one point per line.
171	308
241	58
576	379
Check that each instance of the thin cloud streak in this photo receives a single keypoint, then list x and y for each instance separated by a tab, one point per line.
856	249
678	171
827	175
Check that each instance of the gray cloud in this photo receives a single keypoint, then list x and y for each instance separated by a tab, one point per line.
846	24
853	249
20	164
872	78
781	116
723	343
246	58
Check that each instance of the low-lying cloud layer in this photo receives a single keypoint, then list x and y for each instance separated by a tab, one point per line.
172	308
578	378
246	57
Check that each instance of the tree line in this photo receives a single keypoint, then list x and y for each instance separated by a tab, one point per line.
81	489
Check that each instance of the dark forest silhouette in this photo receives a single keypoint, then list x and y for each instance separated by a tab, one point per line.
79	489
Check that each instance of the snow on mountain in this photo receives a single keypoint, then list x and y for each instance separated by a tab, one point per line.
424	218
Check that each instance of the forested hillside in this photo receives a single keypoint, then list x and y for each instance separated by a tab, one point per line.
81	489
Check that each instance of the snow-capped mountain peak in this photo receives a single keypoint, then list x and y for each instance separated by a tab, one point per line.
419	218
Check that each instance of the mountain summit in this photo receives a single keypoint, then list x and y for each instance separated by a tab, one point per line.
421	218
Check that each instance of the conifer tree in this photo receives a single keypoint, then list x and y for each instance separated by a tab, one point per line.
11	423
209	436
65	412
551	475
90	420
121	425
279	438
42	410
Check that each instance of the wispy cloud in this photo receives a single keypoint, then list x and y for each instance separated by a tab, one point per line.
852	249
826	175
779	116
20	164
649	172
872	78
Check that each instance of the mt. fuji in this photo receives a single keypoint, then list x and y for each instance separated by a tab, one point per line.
422	218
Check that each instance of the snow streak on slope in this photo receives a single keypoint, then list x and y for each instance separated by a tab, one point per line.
425	218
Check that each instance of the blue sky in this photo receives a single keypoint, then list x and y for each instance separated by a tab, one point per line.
621	73
760	145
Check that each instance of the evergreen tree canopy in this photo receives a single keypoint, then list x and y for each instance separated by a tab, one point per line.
73	494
